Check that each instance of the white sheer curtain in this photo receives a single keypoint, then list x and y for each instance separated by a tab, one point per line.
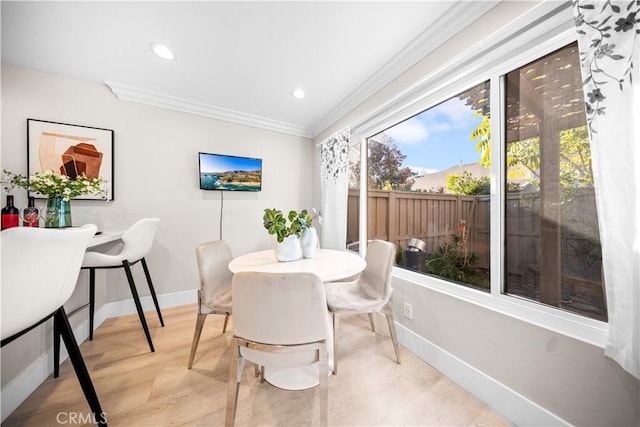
608	41
334	157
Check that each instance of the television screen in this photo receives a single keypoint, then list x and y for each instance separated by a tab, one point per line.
232	173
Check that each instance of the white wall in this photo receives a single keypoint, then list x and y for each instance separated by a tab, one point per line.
529	374
156	174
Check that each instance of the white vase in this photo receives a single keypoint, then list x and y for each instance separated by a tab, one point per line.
289	249
309	242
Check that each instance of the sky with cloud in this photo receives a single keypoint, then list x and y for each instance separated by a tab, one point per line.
438	138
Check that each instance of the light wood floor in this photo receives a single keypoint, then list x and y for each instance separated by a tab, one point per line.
139	388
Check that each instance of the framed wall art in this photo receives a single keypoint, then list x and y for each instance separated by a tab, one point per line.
70	150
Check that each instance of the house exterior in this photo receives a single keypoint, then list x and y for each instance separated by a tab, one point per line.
437	181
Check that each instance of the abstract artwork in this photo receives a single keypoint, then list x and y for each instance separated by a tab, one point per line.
71	150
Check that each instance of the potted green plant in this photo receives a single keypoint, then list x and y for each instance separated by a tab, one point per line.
287	231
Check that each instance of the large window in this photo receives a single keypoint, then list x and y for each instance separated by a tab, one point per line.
429	181
428	189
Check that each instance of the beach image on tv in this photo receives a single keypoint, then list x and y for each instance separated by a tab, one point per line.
219	172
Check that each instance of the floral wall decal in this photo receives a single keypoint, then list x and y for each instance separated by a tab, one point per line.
607	63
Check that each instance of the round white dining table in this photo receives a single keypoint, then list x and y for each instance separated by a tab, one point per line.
330	265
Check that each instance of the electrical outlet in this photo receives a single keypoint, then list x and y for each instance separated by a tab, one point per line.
408	310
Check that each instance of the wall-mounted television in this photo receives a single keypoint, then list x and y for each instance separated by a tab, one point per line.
231	173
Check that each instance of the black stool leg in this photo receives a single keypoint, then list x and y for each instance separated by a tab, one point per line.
56	327
79	366
92	299
153	291
136	300
56	347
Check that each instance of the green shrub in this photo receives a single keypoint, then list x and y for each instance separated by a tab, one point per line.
400	256
468	184
452	260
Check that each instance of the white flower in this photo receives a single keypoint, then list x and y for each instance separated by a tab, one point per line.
50	184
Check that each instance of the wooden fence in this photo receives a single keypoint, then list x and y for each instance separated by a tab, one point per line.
398	216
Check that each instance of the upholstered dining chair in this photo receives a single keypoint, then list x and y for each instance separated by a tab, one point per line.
214	295
40	269
279	319
370	293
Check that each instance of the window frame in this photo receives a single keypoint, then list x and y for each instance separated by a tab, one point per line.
545	29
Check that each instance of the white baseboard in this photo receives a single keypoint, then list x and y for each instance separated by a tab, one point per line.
18	389
500	398
124	307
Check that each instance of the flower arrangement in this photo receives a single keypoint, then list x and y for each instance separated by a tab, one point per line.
53	185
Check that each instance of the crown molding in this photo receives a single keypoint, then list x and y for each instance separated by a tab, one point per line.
132	94
459	15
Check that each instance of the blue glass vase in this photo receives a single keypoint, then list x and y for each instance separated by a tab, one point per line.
58	213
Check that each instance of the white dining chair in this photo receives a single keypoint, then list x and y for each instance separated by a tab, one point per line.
214	295
279	320
40	269
137	240
370	293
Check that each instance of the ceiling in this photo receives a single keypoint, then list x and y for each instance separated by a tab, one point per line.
236	61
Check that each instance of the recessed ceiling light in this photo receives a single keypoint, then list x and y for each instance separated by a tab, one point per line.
298	94
162	51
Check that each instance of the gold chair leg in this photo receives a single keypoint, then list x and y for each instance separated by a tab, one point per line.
233	386
226	321
259	372
373	325
392	332
196	337
335	343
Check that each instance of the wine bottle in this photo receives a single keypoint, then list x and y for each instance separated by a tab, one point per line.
10	214
31	214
